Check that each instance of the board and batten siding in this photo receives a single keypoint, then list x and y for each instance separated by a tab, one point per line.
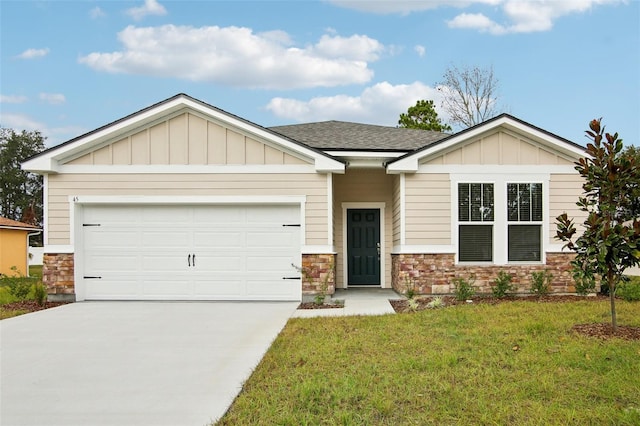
311	185
427	209
186	139
500	148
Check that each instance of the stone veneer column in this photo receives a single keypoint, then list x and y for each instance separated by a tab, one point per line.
318	271
434	273
57	276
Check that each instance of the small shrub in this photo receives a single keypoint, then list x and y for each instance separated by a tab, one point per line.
40	294
541	282
502	285
463	288
413	304
411	288
437	302
585	283
629	289
18	285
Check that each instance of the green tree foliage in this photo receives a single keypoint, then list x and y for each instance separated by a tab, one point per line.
20	191
423	116
610	242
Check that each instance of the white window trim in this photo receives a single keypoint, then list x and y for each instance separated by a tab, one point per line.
500	223
345	267
529	222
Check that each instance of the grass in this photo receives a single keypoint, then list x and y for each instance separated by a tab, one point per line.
35	275
512	363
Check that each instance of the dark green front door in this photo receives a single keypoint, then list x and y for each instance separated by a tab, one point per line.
363	246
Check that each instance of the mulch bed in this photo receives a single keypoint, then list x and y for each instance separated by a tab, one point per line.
313	305
30	306
597	330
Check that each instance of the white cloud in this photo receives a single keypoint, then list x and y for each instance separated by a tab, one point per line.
52	98
34	53
379	104
13	99
54	135
405	7
238	57
96	13
420	50
150	7
521	16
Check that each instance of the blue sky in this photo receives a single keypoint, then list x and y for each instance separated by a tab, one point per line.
70	67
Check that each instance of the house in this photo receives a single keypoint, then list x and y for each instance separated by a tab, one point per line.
14	246
184	201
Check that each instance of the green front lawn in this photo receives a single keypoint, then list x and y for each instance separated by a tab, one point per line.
513	363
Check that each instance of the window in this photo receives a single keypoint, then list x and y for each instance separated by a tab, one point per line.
475	217
524	217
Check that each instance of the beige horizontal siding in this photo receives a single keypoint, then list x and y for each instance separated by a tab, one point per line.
363	186
314	186
564	191
499	147
187	139
428	209
396	211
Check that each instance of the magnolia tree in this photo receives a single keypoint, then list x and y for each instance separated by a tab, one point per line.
610	242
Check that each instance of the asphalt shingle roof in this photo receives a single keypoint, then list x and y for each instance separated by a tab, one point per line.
341	135
9	223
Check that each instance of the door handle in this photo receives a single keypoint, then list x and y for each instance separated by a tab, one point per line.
378	248
194	260
189	260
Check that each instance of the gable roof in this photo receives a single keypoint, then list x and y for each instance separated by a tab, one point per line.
346	136
14	224
409	162
48	160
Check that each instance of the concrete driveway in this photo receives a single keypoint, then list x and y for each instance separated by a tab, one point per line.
132	363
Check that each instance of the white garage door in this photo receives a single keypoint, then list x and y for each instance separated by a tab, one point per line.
191	252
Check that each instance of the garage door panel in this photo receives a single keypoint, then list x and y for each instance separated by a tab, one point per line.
219	263
270	263
164	262
159	238
220	288
98	262
105	238
270	288
168	287
202	239
106	289
146	252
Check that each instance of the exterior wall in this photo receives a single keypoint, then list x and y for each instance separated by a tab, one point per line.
57	276
499	147
62	186
362	186
397	211
434	273
186	139
13	251
564	191
318	274
428	209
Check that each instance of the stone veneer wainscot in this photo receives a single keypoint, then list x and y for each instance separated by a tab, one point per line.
434	273
57	276
318	269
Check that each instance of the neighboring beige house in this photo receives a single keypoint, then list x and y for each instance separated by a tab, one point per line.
184	201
